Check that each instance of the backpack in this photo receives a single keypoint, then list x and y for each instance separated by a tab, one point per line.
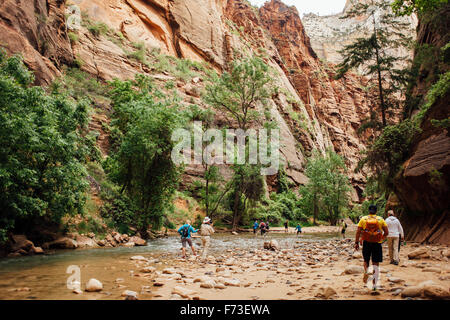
372	232
185	232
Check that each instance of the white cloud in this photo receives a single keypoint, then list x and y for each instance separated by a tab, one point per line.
322	7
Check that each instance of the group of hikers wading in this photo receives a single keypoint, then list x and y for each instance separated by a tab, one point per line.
371	233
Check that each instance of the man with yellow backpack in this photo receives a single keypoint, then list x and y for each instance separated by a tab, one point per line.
373	230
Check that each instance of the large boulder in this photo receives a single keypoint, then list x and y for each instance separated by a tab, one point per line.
137	241
20	242
412	292
61	243
436	292
419	253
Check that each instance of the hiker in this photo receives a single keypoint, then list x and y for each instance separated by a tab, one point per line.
255	226
206	230
344	228
395	237
286	227
298	228
185	232
262	227
267	226
373	230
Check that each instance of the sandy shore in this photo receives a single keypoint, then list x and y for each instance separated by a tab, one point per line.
299	269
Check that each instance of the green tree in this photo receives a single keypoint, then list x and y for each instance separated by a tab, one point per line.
327	191
142	165
374	53
388	152
42	153
237	94
407	7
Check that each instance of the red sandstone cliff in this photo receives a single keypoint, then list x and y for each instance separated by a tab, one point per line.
207	31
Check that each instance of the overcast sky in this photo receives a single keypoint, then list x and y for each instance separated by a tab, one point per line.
322	7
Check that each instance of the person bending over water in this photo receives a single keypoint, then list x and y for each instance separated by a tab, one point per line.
373	230
185	232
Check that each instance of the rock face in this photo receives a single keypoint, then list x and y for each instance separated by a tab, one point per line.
423	185
336	107
330	34
37	31
312	110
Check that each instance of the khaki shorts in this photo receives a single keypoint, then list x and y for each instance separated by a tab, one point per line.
186	240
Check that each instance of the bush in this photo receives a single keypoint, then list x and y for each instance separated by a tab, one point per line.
42	151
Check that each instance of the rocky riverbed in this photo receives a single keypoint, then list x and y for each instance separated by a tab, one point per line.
276	268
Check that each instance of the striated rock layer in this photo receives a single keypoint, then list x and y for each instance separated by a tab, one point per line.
423	185
330	34
327	112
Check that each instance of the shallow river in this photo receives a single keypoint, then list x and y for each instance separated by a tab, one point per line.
44	277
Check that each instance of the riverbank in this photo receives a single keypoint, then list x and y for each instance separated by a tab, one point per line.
238	268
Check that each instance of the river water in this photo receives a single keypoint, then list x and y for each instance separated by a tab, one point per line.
45	276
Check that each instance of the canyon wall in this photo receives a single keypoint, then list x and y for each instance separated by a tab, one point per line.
330	34
423	185
327	112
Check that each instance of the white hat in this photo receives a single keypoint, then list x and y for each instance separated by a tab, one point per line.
206	220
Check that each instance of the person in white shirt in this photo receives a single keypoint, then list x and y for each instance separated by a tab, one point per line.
206	230
395	235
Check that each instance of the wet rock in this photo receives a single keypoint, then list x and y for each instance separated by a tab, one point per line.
357	255
148	269
138	241
436	292
169	271
397	292
138	258
130	295
232	282
61	243
325	292
352	269
129	244
183	292
208	284
432	269
419	254
37	250
20	242
158	282
395	280
202	279
14	255
220	286
411	292
77	291
93	285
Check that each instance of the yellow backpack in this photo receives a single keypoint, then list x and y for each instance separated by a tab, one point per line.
372	231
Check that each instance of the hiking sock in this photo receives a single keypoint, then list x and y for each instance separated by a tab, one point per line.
376	271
